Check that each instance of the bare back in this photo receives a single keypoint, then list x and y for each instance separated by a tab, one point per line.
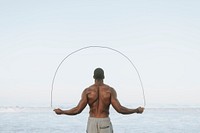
99	100
99	97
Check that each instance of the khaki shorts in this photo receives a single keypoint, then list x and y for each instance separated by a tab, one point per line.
99	125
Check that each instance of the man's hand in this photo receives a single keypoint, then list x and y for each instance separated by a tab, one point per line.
58	111
140	110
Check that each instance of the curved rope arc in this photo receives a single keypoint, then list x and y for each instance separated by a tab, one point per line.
104	47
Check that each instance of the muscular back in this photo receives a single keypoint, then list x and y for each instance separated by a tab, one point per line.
99	97
99	100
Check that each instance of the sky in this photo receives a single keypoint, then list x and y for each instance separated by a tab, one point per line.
160	37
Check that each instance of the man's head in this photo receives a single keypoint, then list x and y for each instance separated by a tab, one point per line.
98	74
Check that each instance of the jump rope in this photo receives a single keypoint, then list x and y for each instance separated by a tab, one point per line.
102	47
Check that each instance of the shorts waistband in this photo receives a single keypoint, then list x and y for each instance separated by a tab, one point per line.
99	119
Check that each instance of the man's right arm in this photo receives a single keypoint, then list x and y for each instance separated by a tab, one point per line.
121	109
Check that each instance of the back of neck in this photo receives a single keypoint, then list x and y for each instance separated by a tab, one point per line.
98	82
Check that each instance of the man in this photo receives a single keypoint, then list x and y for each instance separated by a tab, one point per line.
99	97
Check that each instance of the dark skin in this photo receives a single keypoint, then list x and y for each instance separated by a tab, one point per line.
99	97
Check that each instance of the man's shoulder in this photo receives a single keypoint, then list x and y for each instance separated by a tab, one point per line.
108	88
90	88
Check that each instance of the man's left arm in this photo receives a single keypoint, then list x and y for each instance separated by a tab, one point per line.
76	110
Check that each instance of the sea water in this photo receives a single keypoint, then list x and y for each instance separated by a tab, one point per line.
153	120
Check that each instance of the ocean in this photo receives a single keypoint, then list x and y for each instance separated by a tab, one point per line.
153	120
